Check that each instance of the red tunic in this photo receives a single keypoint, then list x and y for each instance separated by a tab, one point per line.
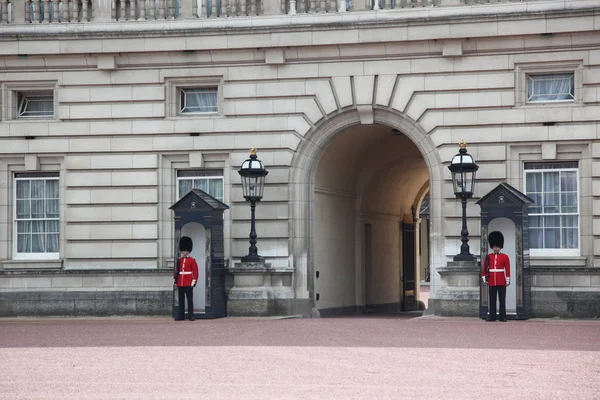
499	269
188	272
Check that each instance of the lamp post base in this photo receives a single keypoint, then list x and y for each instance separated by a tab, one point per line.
253	258
464	257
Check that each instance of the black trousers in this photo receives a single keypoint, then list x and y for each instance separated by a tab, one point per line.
497	291
186	291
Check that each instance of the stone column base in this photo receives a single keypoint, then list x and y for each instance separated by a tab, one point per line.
259	290
459	296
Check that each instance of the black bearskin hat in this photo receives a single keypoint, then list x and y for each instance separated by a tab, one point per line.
496	239
186	244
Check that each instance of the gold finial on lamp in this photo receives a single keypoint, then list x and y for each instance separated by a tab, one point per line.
253	151
463	144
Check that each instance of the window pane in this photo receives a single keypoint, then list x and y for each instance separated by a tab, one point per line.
552	222
52	243
201	184
551	181
52	208
52	226
38	209
38	189
38	243
570	239
536	238
38	226
568	181
569	221
24	243
52	189
535	222
552	238
32	235
185	185
551	87
568	203
199	100
23	210
22	189
23	227
35	104
534	182
215	188
551	203
536	207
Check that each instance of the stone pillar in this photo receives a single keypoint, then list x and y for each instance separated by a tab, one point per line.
102	11
186	9
18	12
260	290
459	295
271	7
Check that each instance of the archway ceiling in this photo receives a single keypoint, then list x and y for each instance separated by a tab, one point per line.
386	171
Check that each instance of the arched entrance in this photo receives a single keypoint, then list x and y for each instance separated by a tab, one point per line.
356	187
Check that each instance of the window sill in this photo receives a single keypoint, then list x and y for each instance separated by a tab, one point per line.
198	116
31	264
557	261
551	104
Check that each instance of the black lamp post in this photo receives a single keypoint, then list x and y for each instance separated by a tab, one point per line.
463	170
253	175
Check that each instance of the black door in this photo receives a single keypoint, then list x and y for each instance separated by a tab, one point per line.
409	300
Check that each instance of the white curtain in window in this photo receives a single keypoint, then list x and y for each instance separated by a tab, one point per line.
39	107
37	216
185	185
553	192
551	87
199	100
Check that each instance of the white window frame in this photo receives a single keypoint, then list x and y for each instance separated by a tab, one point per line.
10	100
537	252
32	256
181	92
203	174
174	87
523	71
531	78
22	95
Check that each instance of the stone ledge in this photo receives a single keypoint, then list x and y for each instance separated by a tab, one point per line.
31	265
43	271
557	269
557	262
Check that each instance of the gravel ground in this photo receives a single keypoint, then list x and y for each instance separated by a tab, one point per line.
250	358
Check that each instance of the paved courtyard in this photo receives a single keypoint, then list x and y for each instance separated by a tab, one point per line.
338	358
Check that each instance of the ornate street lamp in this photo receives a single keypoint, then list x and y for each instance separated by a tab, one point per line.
463	170
253	175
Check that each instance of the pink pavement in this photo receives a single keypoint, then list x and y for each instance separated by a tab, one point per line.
373	357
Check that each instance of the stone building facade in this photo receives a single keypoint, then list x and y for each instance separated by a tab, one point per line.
111	111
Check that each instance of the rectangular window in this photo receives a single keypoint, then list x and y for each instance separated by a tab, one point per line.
35	104
554	216
543	88
198	100
210	182
36	216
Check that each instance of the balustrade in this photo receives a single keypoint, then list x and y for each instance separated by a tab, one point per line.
73	11
56	11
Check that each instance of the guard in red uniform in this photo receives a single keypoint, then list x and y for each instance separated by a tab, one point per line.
186	277
496	273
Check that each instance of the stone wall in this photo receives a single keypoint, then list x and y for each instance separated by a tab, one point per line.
79	293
